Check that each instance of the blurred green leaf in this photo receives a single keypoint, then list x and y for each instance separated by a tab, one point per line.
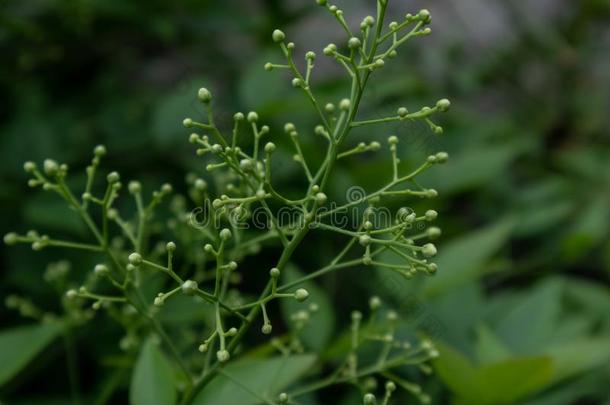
575	357
19	346
489	348
258	378
152	380
463	259
319	330
526	326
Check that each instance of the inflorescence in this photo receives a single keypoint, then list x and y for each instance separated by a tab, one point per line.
211	254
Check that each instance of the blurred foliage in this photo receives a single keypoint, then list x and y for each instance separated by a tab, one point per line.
520	304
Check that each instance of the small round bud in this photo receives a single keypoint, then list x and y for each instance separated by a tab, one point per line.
393	140
252	116
296	82
193	138
200	185
329	107
374	302
11	238
71	294
267	328
189	287
354	43
364	240
424	16
369	399
431	159
278	36
204	95
345	104
231	332
113	177
310	55
393	25
225	234
269	147
433	232
100	270
134	187
222	355
321	2
268	67
289	127
170	246
402	112
50	167
283	397
432	268
379	63
356	316
443	105
159	301
390	386
301	294
392	316
442	157
274	272
375	145
429	250
369	20
321	198
135	259
203	347
260	194
99	151
431	193
29	167
431	215
208	248
330	49
238	116
187	122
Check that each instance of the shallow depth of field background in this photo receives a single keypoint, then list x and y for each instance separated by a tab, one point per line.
524	200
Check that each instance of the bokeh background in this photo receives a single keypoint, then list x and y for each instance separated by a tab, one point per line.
524	201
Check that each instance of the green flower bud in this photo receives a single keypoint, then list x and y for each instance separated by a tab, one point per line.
134	187
11	238
431	193
268	67
321	198
310	55
100	270
187	122
222	356
354	43
278	36
267	328
369	399
289	127
374	303
189	287
443	105
402	112
321	2
433	232
204	95
71	294
429	250
329	107
431	215
442	157
252	116
170	246
113	177
390	386
200	185
375	146
50	167
239	116
231	332
135	259
274	272
424	16
296	82
364	240
225	234
283	397
29	167
369	20
99	151
393	140
301	294
345	104
330	49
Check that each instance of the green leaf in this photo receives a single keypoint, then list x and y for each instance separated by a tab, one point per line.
527	326
247	381
320	327
489	348
152	381
511	380
456	371
578	356
19	346
462	260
